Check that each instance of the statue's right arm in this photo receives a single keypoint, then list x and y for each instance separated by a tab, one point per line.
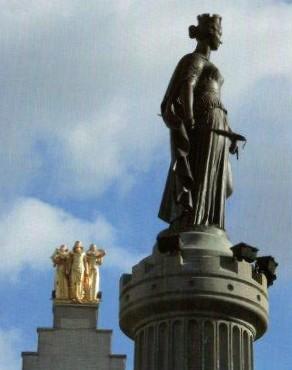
85	262
181	88
53	256
69	263
190	78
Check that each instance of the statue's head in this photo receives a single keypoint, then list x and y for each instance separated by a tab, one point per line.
63	248
93	248
208	30
78	247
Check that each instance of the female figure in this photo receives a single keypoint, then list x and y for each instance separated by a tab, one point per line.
199	178
78	272
61	261
94	258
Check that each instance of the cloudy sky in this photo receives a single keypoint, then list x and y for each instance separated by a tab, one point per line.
83	154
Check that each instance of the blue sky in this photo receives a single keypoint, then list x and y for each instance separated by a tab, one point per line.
84	155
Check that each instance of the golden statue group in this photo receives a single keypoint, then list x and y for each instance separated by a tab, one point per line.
77	273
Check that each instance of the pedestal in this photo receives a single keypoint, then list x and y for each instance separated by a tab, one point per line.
74	342
197	309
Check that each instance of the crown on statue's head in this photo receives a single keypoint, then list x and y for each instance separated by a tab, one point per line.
206	18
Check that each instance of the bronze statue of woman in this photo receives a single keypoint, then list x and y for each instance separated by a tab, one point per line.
199	178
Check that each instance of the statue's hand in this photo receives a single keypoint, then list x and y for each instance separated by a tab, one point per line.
233	149
190	123
170	117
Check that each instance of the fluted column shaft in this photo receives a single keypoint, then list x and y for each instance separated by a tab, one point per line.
194	344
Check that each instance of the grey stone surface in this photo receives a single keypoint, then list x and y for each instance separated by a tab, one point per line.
205	240
185	342
200	309
73	343
72	316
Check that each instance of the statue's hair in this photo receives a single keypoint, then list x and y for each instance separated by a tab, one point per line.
76	243
194	32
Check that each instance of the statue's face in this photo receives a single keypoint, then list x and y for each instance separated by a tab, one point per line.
63	248
214	36
78	247
92	248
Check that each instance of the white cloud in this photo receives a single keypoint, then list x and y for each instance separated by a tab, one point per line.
33	9
78	106
33	229
259	212
9	349
110	148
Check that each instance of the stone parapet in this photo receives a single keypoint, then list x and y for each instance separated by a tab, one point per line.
192	303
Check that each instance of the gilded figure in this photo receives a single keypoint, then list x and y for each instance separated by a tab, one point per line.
60	260
78	272
94	258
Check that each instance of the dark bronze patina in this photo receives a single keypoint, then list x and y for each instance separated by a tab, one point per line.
199	178
244	252
268	266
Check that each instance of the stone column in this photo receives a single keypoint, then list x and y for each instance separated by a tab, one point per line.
199	309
